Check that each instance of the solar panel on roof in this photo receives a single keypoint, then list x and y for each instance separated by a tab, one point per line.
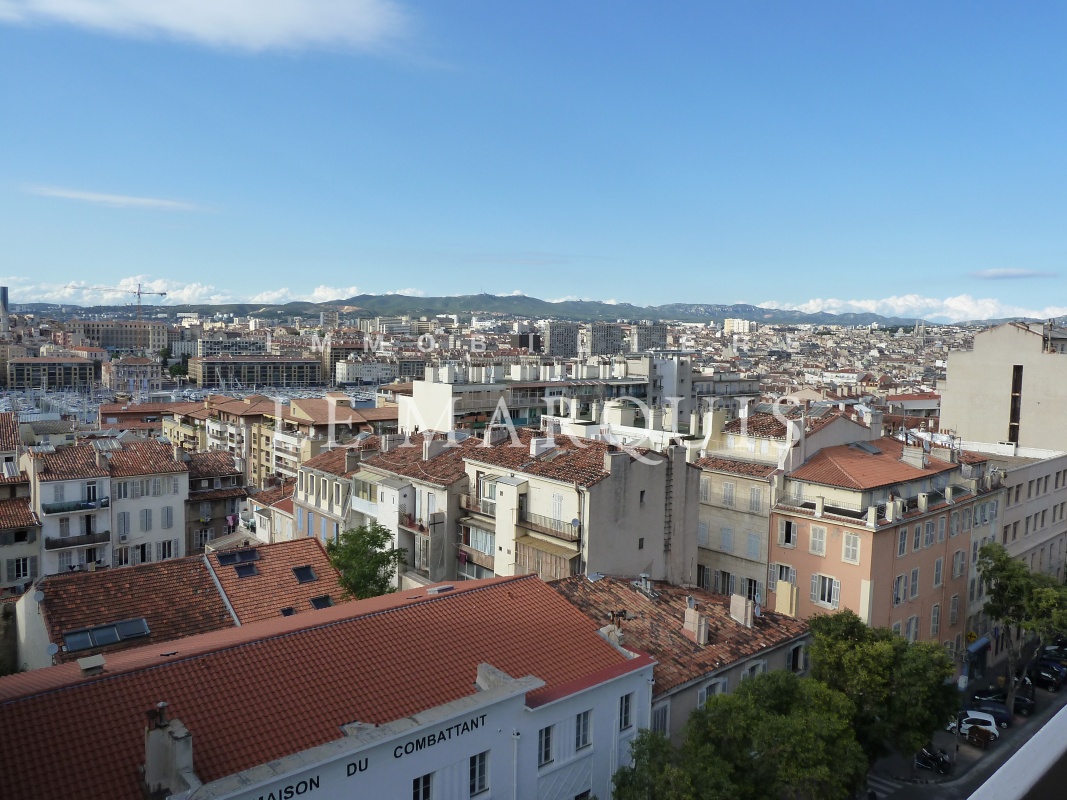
132	628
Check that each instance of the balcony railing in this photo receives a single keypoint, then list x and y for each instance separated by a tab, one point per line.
480	505
82	540
75	505
411	522
553	527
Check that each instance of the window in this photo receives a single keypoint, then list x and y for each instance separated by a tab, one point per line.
146	519
203	536
780	572
726	543
120	557
246	570
900	589
120	489
787	533
64	526
724	582
938	570
817	543
850	548
755	499
752	589
168	517
902	542
142	553
935	619
929	533
915	583
941	529
703	577
641	497
157	487
752	548
66	560
911	629
797	659
954	609
422	786
702	535
641	543
479	773
916	541
166	549
709	690
754	669
661	718
954	523
825	591
544	746
581	730
727	494
322	601
23	568
705	489
57	493
625	712
305	574
124	523
480	540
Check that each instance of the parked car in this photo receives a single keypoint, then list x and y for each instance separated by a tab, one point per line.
1057	653
973	719
1055	666
1045	676
998	711
1024	699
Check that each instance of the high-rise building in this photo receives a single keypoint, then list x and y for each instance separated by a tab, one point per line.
561	339
648	336
604	339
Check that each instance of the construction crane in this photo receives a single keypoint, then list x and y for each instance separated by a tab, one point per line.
138	291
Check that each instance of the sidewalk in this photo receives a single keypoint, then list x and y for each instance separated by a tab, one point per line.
893	775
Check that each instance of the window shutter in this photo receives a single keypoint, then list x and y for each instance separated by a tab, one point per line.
33	567
11	570
837	594
135	558
136	489
781	531
173	548
760	598
7	537
732	581
159	551
792	576
814	588
716	585
772	577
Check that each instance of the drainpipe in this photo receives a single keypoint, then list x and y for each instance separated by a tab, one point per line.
515	765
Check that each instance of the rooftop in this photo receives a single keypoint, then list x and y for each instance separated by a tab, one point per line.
851	467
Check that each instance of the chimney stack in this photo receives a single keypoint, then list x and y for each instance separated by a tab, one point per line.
168	766
352	458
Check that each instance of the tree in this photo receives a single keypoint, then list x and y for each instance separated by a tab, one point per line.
1020	600
900	690
164	355
777	736
367	562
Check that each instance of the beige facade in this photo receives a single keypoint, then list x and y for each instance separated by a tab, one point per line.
121	334
1012	387
50	373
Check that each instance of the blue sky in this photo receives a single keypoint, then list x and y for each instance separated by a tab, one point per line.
905	158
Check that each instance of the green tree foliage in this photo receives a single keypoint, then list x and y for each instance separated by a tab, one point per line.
899	689
777	736
366	560
1020	600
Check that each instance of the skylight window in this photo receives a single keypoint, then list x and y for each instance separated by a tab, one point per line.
322	601
305	574
288	611
245	570
232	557
101	635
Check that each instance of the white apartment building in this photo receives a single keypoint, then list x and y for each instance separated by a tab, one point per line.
149	487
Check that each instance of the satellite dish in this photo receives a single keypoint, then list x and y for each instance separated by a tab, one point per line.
576	522
38	596
52	648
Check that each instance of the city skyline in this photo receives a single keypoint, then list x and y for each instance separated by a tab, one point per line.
902	161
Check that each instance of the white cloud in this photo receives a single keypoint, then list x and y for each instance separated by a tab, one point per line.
251	25
912	306
111	200
408	292
323	294
272	296
124	292
1008	274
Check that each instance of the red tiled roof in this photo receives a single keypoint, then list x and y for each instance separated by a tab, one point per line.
852	467
971	457
16	512
9	432
148	457
294	680
218	494
274	587
70	463
211	464
444	469
656	627
751	469
268	497
176	597
334	461
921	396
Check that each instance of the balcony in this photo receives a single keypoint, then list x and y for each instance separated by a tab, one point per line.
75	505
412	523
83	540
364	506
479	505
556	528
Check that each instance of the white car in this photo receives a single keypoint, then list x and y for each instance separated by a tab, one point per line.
974	719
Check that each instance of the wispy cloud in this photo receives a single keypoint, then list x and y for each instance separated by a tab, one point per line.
251	25
1010	274
82	293
408	292
320	294
911	306
112	200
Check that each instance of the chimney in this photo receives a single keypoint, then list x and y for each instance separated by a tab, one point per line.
614	461
91	665
914	456
696	625
168	745
101	459
924	502
949	492
391	441
352	458
891	510
872	517
494	434
539	445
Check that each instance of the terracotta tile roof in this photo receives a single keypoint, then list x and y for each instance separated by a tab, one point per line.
656	628
147	457
211	464
69	463
851	467
218	494
444	469
268	497
898	398
275	586
294	681
971	457
569	461
284	506
177	598
9	432
765	425
334	461
751	469
17	512
143	409
20	477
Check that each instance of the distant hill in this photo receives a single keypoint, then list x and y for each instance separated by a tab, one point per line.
371	305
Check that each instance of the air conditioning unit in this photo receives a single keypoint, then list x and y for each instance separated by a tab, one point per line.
124	537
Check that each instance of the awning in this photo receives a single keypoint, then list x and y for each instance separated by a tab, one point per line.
547	547
978	646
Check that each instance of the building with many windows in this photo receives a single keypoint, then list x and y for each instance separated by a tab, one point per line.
530	701
50	373
216	490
